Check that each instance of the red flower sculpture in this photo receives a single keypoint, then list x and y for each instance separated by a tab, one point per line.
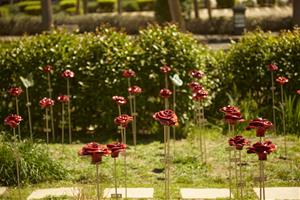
165	93
261	125
233	118
262	149
200	95
195	86
272	67
282	80
120	100
13	120
116	148
166	118
128	73
63	98
46	102
123	120
197	74
15	91
68	74
165	69
134	90
231	110
47	69
95	150
238	142
298	91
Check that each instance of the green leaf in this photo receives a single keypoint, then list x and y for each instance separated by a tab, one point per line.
28	81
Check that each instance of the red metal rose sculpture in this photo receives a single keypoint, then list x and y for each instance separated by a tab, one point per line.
261	125
231	110
166	118
134	90
238	142
262	149
95	150
233	118
63	98
119	100
116	148
48	69
46	102
128	73
272	67
123	120
15	91
200	95
197	74
68	74
195	86
165	69
282	80
165	93
13	120
298	91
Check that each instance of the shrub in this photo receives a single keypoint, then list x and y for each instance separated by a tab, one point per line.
106	5
33	10
130	5
23	4
266	2
146	5
225	3
159	46
97	63
37	166
246	62
65	4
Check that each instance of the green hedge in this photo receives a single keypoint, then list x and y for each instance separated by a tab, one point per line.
98	60
245	75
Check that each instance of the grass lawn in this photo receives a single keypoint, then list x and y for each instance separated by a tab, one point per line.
145	168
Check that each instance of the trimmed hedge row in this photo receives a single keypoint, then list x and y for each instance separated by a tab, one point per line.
132	24
98	60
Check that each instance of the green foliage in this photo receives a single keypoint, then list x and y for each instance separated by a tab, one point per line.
292	114
23	4
106	5
130	5
98	62
266	2
246	67
146	5
33	9
36	164
65	4
225	3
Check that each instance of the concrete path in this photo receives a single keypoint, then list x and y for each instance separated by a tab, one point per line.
132	193
204	193
54	192
281	193
2	190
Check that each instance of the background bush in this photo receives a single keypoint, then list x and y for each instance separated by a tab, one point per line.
37	166
98	60
245	68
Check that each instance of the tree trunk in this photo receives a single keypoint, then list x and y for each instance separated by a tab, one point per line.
47	20
209	10
77	7
85	7
119	5
196	9
296	12
175	10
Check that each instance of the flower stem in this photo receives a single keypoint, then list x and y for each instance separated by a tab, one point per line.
241	174
17	164
134	122
98	181
51	109
165	161
174	127
230	176
273	101
125	165
62	123
283	122
29	114
18	113
47	125
116	185
69	111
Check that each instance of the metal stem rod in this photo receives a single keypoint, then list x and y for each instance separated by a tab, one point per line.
69	111
29	114
98	182
17	164
273	102
283	121
115	170
51	109
18	113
